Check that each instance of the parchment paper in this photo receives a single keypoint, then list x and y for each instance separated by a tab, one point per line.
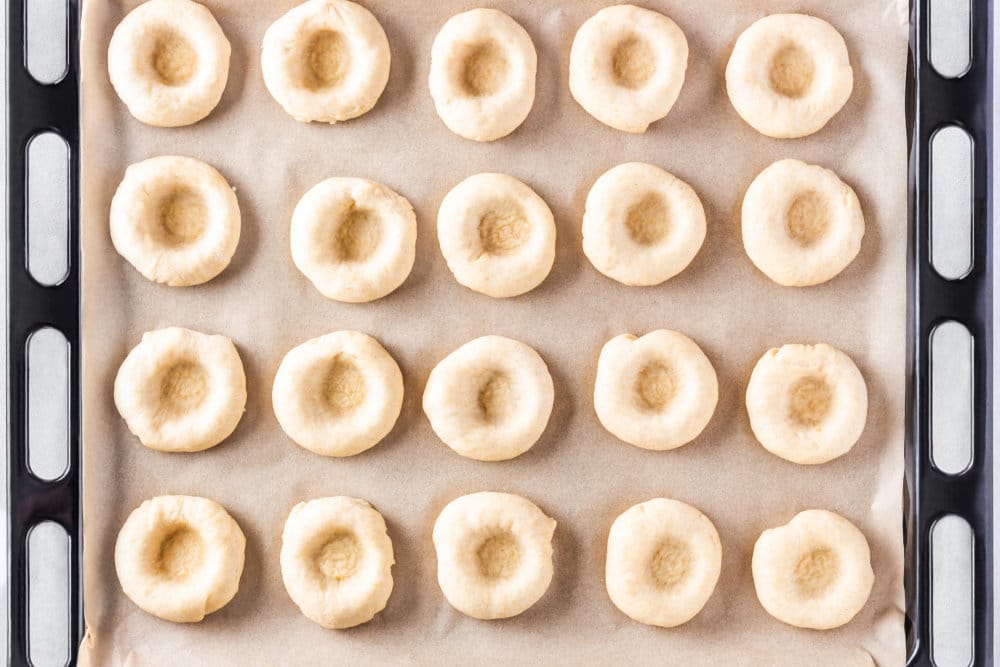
577	473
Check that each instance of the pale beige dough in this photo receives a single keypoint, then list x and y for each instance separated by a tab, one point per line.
175	219
807	403
663	561
325	60
336	561
180	557
180	390
354	239
789	74
338	394
168	60
627	66
497	235
657	392
814	572
802	225
482	76
641	224
494	553
490	399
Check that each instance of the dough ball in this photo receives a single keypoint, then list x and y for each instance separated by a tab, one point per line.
657	391
664	558
168	60
336	561
325	60
338	394
490	399
802	225
813	572
789	74
627	65
180	390
641	224
180	557
354	239
807	403
497	235
494	554
176	220
482	74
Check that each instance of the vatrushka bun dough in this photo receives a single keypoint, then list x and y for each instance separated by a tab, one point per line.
627	65
814	572
657	392
325	60
664	559
180	390
801	224
175	219
180	557
494	554
482	75
336	561
807	403
789	74
168	60
490	399
338	394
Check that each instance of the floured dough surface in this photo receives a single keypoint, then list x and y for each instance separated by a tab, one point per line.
180	557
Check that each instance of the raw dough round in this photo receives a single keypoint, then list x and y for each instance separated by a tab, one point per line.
789	74
802	225
176	220
169	61
664	558
482	74
338	394
180	390
497	235
627	65
814	572
494	554
807	403
336	561
641	224
180	557
325	60
354	239
655	392
490	399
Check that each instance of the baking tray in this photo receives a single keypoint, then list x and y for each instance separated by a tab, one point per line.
933	102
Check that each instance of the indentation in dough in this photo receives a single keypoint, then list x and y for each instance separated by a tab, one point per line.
494	398
809	401
339	557
504	228
670	563
807	218
173	58
180	552
647	220
182	387
498	556
343	387
792	71
815	571
484	69
633	62
357	235
182	215
326	59
655	386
